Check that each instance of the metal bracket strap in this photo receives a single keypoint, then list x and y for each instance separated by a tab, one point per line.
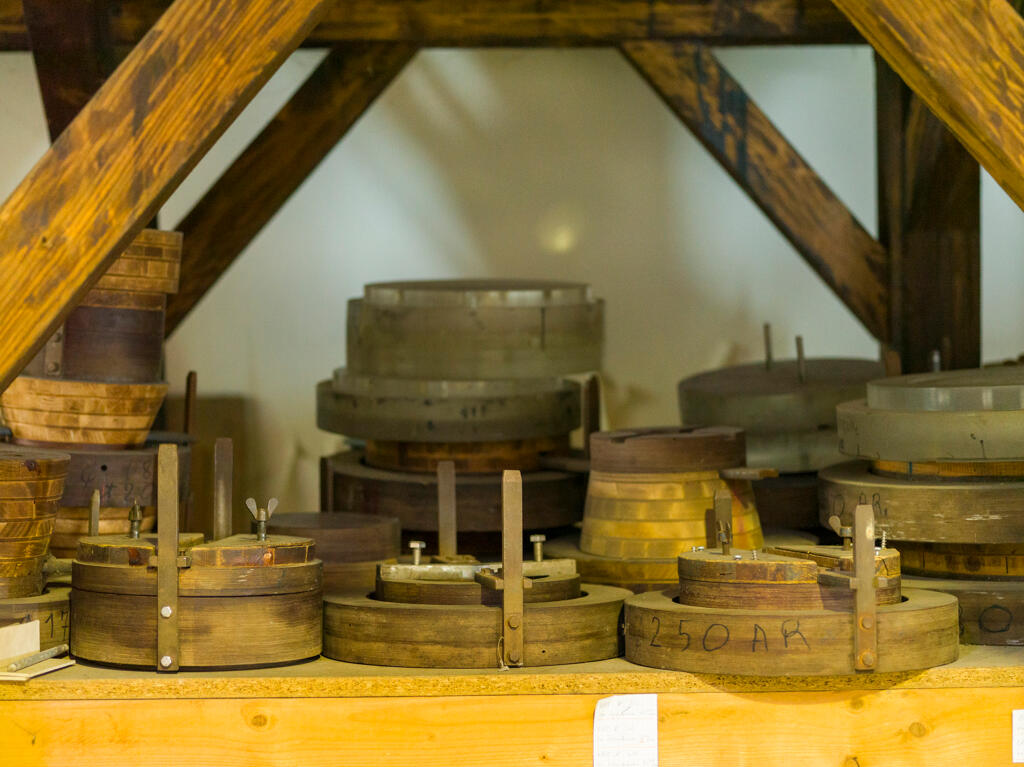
512	567
865	648
167	643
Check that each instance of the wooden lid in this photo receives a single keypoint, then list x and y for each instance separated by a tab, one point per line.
21	463
667	449
246	551
342	536
122	550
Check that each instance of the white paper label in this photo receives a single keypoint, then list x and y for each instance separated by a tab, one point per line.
626	731
1018	736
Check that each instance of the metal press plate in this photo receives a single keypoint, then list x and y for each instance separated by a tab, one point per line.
983	389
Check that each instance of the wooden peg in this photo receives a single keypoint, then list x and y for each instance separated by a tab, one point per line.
223	467
512	567
94	513
447	523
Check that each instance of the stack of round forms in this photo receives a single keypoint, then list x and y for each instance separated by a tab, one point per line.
241	601
942	463
787	409
123	477
97	381
449	616
350	545
648	497
786	612
466	371
31	484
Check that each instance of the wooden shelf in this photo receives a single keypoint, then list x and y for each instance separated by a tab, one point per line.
330	713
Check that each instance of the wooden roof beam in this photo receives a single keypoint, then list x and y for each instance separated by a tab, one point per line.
274	165
965	59
698	89
525	22
127	150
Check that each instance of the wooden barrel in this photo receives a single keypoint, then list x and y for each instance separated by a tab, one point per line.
63	412
31	484
651	489
116	333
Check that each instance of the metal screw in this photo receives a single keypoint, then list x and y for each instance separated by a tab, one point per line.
134	520
513	622
753	553
883	540
166	661
700	548
867	658
417	547
537	539
737	557
166	611
867	623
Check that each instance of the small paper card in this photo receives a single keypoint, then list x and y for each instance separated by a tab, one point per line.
626	731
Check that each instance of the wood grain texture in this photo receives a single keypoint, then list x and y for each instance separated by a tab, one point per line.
667	449
965	59
496	22
895	727
73	54
149	123
929	219
696	87
250	192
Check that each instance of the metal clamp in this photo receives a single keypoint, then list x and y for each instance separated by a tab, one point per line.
512	568
865	634
167	640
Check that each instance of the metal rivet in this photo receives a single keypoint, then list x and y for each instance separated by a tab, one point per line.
867	658
166	661
737	557
513	622
166	611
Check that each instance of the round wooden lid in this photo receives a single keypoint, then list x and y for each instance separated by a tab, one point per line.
342	536
18	462
998	388
758	398
667	449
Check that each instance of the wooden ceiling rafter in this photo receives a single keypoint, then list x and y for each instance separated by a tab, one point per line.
107	174
705	97
251	191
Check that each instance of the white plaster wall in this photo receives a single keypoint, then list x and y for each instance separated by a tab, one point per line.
558	164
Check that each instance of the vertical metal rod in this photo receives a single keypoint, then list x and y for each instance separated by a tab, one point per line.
190	403
512	567
94	513
447	525
167	559
801	363
935	361
223	467
865	651
767	346
591	410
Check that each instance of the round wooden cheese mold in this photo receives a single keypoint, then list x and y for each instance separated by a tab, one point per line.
551	498
468	457
241	602
63	412
997	389
51	608
990	612
936	511
785	610
440	617
919	632
31	484
116	332
418	410
634	574
765	400
122	477
658	516
668	449
788	501
993	561
475	329
793	452
349	545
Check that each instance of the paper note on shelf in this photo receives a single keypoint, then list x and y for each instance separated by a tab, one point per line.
1017	736
19	639
626	731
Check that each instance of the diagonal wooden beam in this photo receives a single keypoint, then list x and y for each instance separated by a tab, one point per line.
246	197
965	59
73	54
929	219
526	22
108	173
750	148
